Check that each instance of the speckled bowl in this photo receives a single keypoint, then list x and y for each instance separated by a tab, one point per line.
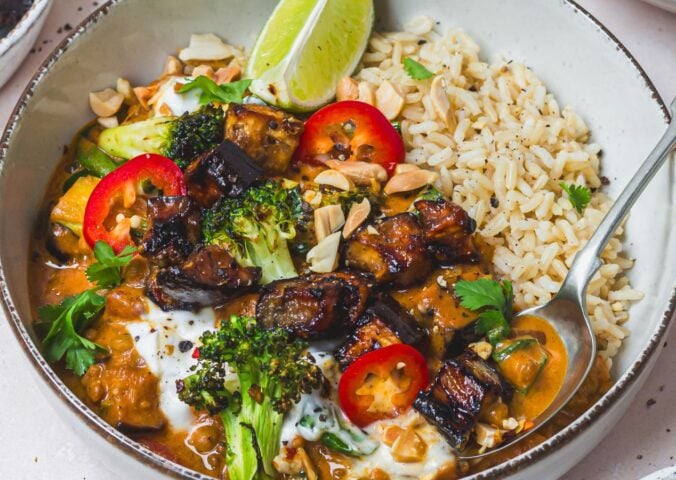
576	57
15	46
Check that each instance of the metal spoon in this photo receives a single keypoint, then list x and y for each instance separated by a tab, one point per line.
567	311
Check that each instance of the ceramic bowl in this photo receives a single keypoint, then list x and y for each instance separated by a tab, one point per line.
15	46
581	62
669	5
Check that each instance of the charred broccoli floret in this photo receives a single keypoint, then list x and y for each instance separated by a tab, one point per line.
250	377
179	138
255	227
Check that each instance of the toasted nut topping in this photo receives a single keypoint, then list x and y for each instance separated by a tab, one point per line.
365	93
323	257
361	173
108	122
227	74
405	182
312	197
487	436
358	213
405	167
144	94
105	103
124	87
348	89
442	106
206	47
483	349
172	66
328	219
388	100
203	71
409	447
510	423
335	179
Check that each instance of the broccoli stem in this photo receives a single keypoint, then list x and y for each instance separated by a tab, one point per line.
275	264
240	456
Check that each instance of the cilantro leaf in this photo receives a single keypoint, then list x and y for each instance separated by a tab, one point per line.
106	272
63	321
61	324
416	70
579	195
494	302
232	92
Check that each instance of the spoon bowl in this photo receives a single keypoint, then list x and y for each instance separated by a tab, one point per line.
567	311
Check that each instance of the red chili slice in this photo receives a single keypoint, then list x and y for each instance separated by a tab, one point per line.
123	183
382	383
351	130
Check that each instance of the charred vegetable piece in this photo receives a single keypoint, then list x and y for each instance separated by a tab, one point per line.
271	371
225	171
174	230
179	138
255	227
93	159
462	386
391	249
267	134
448	231
383	323
520	361
70	209
118	186
382	383
313	306
210	276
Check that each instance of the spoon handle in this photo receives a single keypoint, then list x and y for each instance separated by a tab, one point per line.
587	261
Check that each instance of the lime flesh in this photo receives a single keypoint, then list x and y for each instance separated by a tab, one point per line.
305	48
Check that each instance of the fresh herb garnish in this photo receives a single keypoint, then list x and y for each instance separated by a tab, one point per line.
494	302
416	70
579	195
232	92
65	321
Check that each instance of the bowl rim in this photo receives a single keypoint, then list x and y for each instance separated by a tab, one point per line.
27	20
165	466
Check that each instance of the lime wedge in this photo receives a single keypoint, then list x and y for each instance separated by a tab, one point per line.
305	48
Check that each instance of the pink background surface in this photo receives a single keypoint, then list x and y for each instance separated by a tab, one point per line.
36	444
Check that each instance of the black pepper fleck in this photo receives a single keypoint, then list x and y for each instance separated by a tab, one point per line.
184	346
650	402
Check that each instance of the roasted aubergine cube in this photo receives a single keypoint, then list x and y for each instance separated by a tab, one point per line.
383	323
267	134
392	249
225	171
173	230
210	276
313	306
462	387
448	231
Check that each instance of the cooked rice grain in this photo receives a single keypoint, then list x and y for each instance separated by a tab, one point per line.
511	141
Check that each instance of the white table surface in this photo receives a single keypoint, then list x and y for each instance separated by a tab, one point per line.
36	444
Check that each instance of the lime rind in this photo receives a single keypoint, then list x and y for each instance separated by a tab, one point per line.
328	46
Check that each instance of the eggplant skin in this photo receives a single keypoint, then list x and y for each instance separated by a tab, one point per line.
267	134
209	276
392	249
384	323
225	171
314	306
174	230
448	231
453	401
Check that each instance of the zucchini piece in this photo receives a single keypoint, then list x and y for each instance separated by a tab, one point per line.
69	210
520	361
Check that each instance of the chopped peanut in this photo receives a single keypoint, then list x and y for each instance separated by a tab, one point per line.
105	103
